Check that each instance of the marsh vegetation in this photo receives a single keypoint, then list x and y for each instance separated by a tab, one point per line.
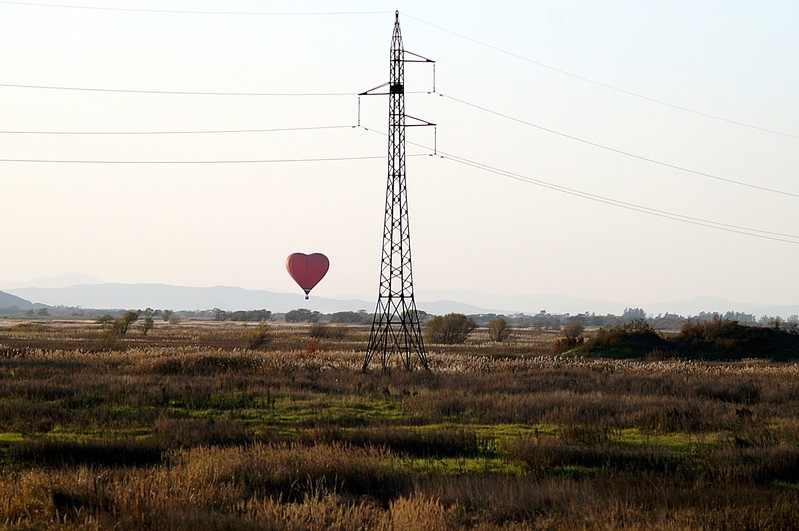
219	425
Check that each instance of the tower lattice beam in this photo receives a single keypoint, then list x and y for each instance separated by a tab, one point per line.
396	330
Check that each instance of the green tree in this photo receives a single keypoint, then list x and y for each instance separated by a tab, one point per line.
146	325
572	330
249	315
121	326
633	313
450	329
302	315
498	329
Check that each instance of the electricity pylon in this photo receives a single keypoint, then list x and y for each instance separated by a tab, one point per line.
395	326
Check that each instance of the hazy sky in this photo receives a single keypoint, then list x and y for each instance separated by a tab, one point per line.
562	67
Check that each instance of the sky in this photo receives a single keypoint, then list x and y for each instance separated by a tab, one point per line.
677	108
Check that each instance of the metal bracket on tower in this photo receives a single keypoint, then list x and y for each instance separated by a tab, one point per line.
395	327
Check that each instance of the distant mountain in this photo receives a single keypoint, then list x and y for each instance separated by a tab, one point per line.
230	298
10	301
162	296
59	281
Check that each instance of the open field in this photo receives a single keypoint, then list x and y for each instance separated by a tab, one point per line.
189	427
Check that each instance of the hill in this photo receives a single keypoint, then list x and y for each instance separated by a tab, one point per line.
162	296
92	293
12	301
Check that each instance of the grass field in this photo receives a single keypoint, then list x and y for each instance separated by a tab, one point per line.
187	427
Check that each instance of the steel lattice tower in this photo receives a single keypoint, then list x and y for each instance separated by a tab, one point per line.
395	327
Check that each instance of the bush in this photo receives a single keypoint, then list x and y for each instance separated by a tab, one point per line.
720	339
573	329
498	329
146	325
451	329
573	338
633	340
119	327
258	336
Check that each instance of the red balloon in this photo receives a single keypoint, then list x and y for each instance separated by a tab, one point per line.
307	269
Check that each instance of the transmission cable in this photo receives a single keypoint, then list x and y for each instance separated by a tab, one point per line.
606	85
199	162
188	92
630	206
191	12
620	151
202	132
254	161
176	92
727	227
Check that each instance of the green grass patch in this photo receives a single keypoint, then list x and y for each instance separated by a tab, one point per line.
507	432
465	465
10	437
134	434
787	485
676	440
317	410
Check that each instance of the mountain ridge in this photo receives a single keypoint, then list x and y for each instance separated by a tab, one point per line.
231	298
8	300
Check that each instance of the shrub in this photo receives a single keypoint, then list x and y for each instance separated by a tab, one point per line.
498	329
450	329
257	337
727	340
572	339
146	325
119	327
573	329
633	340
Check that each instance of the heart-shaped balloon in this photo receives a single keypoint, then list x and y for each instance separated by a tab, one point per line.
307	269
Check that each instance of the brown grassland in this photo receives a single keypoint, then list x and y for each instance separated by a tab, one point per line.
203	425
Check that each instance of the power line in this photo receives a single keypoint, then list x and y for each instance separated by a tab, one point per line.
176	92
606	85
254	161
620	151
738	229
222	131
198	162
727	227
191	12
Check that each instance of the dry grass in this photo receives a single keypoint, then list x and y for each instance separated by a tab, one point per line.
192	427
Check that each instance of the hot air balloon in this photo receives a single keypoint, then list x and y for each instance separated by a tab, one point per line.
307	269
